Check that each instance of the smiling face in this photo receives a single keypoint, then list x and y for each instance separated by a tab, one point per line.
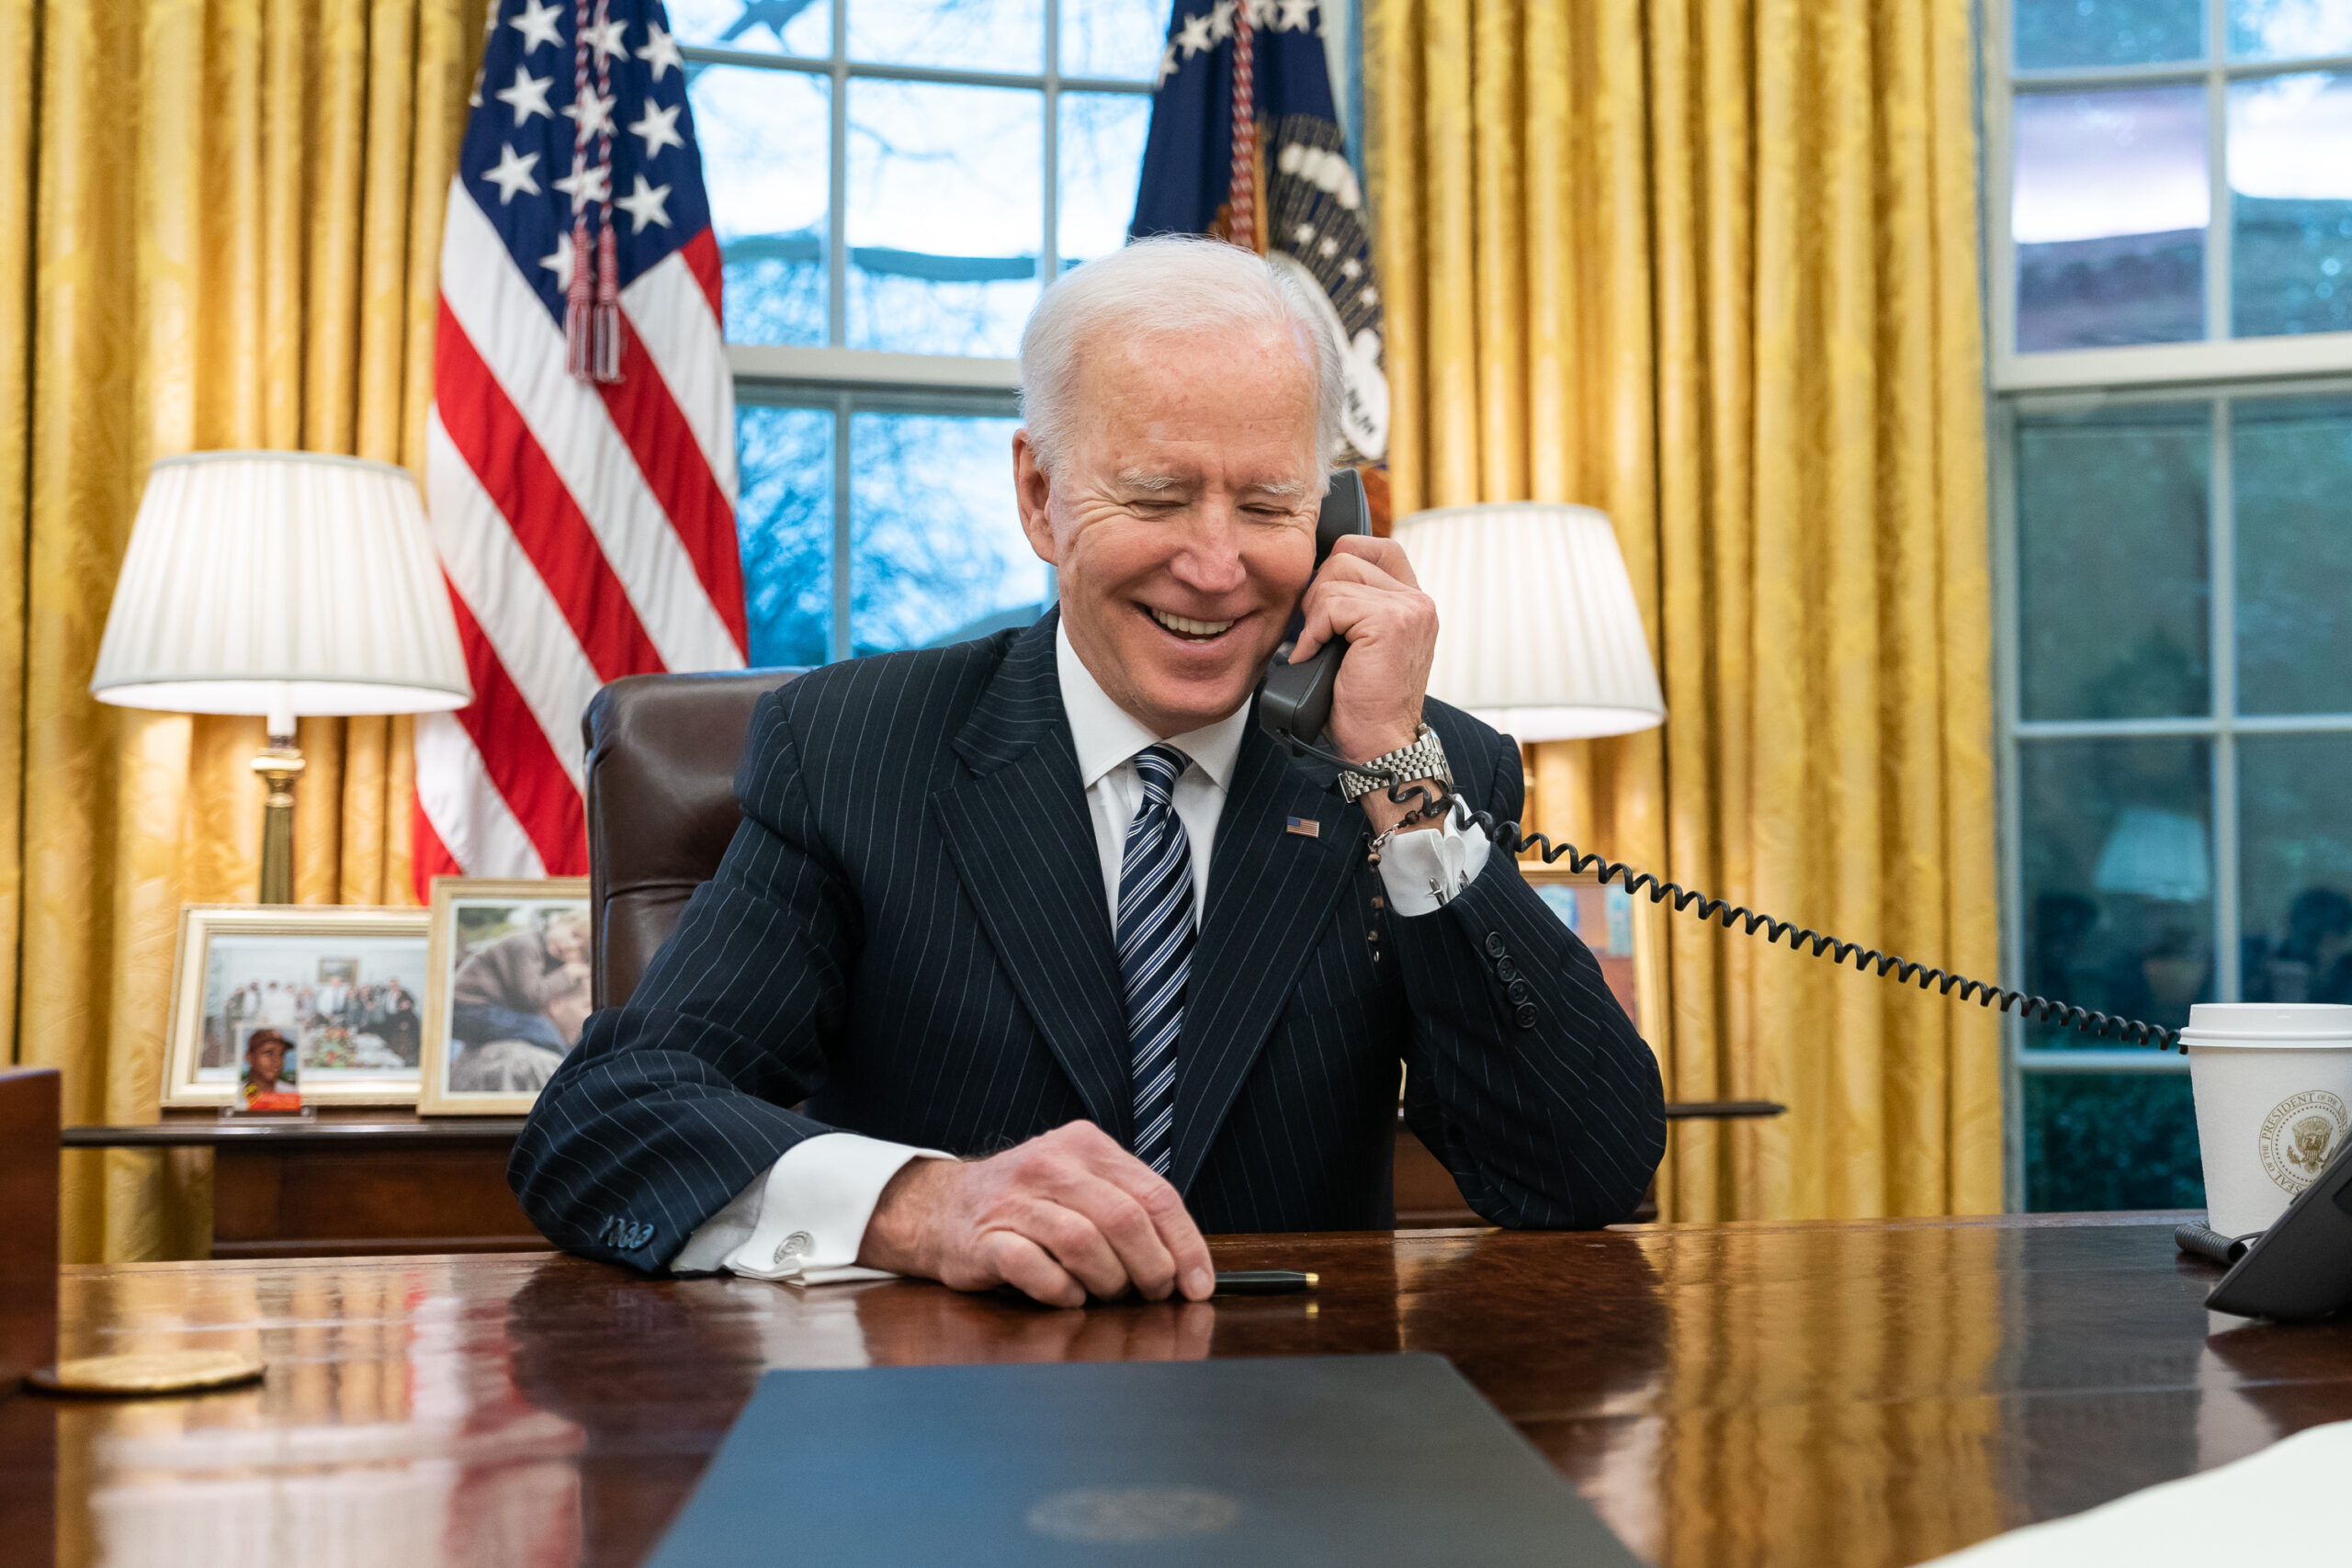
1181	519
265	1056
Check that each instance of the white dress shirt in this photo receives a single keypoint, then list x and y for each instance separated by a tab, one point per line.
804	1221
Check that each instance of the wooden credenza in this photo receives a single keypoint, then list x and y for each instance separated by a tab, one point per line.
350	1182
390	1181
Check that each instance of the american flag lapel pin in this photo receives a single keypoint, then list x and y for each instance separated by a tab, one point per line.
1305	826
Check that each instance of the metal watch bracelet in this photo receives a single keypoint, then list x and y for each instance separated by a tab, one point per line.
1424	759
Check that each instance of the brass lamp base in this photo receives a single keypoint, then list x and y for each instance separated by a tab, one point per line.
279	766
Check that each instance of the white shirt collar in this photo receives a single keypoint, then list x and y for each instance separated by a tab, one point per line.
1107	734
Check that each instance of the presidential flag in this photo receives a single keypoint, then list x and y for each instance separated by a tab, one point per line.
1244	144
579	466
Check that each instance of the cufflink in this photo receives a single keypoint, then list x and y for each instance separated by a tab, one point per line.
797	1245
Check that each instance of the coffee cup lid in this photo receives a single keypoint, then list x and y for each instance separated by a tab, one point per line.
2275	1025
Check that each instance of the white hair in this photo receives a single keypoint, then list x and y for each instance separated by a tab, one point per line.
1166	286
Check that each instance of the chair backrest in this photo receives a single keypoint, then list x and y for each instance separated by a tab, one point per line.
662	756
29	1139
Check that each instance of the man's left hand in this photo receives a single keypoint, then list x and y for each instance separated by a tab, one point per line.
1366	593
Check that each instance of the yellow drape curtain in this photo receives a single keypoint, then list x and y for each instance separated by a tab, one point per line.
1711	264
224	219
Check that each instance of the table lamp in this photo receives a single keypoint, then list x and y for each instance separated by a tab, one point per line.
288	584
1538	633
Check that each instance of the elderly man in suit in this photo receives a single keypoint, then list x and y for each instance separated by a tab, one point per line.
1034	957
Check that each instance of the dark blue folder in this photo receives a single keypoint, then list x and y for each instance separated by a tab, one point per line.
1375	1461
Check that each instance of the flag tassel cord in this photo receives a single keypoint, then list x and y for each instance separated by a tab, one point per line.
1242	193
592	304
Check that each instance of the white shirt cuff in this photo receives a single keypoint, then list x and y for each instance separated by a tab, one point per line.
1427	867
804	1221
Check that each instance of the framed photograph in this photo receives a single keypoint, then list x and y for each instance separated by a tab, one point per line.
508	991
292	1004
1621	929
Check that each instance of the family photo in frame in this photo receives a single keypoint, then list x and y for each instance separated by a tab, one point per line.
509	961
276	1006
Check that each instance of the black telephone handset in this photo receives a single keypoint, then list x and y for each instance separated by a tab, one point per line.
1294	703
2301	1266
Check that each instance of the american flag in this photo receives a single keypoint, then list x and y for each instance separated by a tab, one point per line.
1244	144
579	466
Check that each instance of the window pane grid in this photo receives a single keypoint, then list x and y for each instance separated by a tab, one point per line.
2221	603
885	71
2170	824
2223	725
877	506
2273	249
853	319
2170	72
842	492
2242	724
2274	915
876	516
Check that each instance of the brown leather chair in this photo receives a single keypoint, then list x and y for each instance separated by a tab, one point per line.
662	756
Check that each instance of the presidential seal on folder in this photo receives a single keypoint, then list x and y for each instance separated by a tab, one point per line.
1378	1462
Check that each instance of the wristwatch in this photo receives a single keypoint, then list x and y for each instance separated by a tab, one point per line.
1424	759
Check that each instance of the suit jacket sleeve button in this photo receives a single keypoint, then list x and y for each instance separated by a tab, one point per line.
1526	1015
1505	970
1517	991
1493	944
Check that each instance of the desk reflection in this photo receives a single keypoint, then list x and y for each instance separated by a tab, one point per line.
1590	1393
1853	1396
923	1326
387	1432
1808	1367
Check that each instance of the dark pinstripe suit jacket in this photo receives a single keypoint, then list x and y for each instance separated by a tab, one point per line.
909	933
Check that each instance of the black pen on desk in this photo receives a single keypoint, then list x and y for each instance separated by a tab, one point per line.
1262	1281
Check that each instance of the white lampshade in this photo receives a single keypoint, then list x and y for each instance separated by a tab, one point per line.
1538	633
283	583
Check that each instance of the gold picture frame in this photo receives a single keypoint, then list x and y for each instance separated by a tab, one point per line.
515	1034
240	966
1622	930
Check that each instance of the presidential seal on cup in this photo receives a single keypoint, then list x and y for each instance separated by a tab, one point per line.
2273	1086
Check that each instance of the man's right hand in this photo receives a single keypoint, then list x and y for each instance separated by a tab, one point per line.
1065	1214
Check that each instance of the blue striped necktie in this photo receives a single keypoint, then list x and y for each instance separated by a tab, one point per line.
1155	948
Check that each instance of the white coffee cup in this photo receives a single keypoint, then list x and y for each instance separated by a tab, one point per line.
2273	1085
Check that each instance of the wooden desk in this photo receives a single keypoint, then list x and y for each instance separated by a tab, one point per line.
1830	1396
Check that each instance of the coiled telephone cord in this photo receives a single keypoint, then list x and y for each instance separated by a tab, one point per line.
1427	802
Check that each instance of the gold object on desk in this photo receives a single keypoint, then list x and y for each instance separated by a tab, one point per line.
144	1372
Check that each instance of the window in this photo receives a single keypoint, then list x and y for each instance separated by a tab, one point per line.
2177	177
2171	267
891	182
